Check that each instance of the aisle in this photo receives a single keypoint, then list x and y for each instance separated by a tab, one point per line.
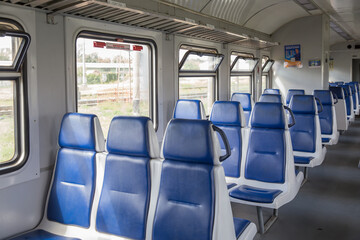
328	205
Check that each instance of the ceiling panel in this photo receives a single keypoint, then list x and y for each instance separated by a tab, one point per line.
346	13
273	17
261	15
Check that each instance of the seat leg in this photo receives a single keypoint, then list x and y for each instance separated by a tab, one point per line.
264	227
306	175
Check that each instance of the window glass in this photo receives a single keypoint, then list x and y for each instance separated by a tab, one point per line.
201	88
9	47
7	121
244	64
199	61
240	84
264	83
263	60
268	66
13	115
113	78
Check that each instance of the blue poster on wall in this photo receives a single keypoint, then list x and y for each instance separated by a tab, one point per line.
292	56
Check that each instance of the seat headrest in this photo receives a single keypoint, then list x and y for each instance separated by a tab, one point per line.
303	104
292	92
267	97
338	91
244	99
272	91
81	131
268	115
191	141
189	109
339	83
132	136
227	113
325	96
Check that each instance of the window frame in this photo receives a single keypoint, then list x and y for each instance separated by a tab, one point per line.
17	73
266	63
190	74
251	74
153	84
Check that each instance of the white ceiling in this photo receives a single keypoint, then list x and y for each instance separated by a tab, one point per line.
345	13
269	15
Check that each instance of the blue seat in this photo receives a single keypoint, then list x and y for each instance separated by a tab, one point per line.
246	102
339	83
272	91
274	98
355	97
340	108
189	109
125	196
292	92
193	202
73	185
349	102
229	116
328	124
268	176
306	133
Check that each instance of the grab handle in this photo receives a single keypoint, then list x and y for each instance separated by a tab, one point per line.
226	143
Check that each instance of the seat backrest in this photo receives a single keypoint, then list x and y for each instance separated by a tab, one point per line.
353	93
192	182
348	99
326	116
271	91
73	184
246	103
266	153
267	97
229	116
125	195
338	91
189	109
304	132
292	92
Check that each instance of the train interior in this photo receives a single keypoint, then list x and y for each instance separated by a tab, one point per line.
179	119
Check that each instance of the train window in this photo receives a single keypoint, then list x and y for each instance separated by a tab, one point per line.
197	74
241	74
264	83
13	47
266	68
114	77
264	59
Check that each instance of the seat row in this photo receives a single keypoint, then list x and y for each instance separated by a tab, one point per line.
260	170
129	192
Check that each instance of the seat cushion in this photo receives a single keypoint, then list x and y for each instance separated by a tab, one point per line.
302	160
253	194
240	225
231	185
41	234
73	187
185	207
125	195
325	140
232	163
326	120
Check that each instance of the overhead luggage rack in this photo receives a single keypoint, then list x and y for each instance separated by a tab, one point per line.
155	16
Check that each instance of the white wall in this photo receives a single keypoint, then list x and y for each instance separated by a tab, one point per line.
307	32
342	58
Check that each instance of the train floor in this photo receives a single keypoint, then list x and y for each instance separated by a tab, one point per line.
328	204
